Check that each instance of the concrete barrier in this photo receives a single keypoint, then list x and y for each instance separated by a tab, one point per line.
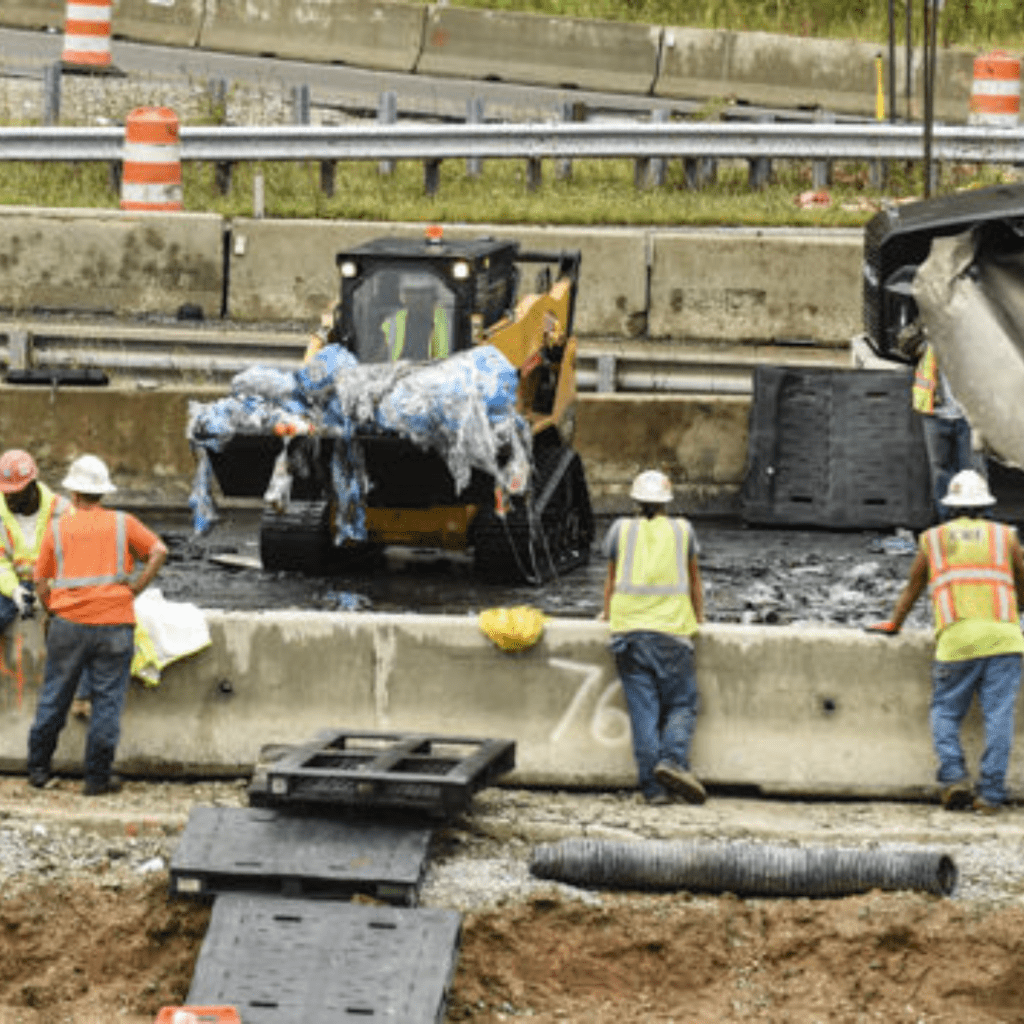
110	261
163	22
538	50
756	284
840	75
33	13
285	270
141	434
804	711
386	35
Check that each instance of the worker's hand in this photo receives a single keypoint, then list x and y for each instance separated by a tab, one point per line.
601	616
25	598
889	628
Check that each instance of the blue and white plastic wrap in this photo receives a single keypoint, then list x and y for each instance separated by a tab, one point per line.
463	408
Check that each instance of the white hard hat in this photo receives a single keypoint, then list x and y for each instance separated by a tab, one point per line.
88	475
651	488
968	489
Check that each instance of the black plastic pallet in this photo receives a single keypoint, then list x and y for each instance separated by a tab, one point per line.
836	449
428	773
284	961
264	850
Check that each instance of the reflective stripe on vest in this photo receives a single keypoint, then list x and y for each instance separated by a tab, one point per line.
62	582
393	329
624	582
955	584
926	380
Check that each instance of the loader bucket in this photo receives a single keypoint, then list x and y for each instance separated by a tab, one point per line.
244	465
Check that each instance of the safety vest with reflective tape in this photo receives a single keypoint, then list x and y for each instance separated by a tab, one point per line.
17	555
971	572
393	329
926	381
76	567
652	579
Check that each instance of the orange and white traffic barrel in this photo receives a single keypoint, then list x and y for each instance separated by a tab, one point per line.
87	34
995	94
151	176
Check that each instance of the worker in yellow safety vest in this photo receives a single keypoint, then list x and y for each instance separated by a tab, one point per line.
654	603
975	570
393	328
948	438
27	506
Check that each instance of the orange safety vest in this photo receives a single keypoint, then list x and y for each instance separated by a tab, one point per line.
971	572
17	552
926	381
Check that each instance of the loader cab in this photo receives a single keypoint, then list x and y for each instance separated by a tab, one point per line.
404	298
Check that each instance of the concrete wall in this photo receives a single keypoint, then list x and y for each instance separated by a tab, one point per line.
110	261
824	711
701	444
162	22
746	284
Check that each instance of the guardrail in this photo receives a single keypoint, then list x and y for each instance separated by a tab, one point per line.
635	140
176	354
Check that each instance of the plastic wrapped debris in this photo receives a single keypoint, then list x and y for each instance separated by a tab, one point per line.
462	408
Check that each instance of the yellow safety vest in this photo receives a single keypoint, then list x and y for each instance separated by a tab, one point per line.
393	329
17	555
652	578
970	572
926	381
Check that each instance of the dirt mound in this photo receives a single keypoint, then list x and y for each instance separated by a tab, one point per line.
899	957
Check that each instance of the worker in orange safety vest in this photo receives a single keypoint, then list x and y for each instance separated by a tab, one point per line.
84	577
975	570
27	506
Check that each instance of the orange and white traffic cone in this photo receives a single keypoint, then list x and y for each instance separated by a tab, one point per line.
87	37
151	177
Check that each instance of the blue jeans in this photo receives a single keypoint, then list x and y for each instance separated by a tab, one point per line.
660	681
996	680
8	612
948	444
72	648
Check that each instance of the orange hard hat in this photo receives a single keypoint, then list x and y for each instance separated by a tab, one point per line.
17	470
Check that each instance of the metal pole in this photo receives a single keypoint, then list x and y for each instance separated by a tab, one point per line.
892	60
908	71
926	70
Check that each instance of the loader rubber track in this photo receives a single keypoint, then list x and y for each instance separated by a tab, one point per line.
299	540
551	538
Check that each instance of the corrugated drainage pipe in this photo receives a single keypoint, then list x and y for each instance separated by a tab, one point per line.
746	869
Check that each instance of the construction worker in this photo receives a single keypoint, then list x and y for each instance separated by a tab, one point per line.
421	322
26	508
948	438
975	570
84	578
654	602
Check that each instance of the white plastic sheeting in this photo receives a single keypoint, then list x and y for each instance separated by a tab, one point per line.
972	304
462	408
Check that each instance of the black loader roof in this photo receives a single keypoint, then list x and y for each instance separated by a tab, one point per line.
471	250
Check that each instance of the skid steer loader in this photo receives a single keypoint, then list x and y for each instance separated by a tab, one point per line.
424	315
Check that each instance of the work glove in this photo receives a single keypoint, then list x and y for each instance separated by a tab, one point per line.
889	628
25	598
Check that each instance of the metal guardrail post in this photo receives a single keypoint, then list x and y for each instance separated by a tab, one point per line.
760	167
431	176
222	173
563	166
51	93
387	113
821	170
327	177
699	171
534	174
656	170
474	115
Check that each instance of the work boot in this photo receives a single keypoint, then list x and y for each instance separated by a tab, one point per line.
39	778
983	806
111	784
81	708
680	781
957	795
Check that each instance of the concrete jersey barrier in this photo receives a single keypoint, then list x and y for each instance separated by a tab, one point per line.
36	14
538	50
110	261
162	22
787	710
386	35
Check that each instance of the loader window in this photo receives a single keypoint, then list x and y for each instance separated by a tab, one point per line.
403	314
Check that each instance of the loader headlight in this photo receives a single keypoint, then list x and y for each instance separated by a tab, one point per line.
460	270
349	268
